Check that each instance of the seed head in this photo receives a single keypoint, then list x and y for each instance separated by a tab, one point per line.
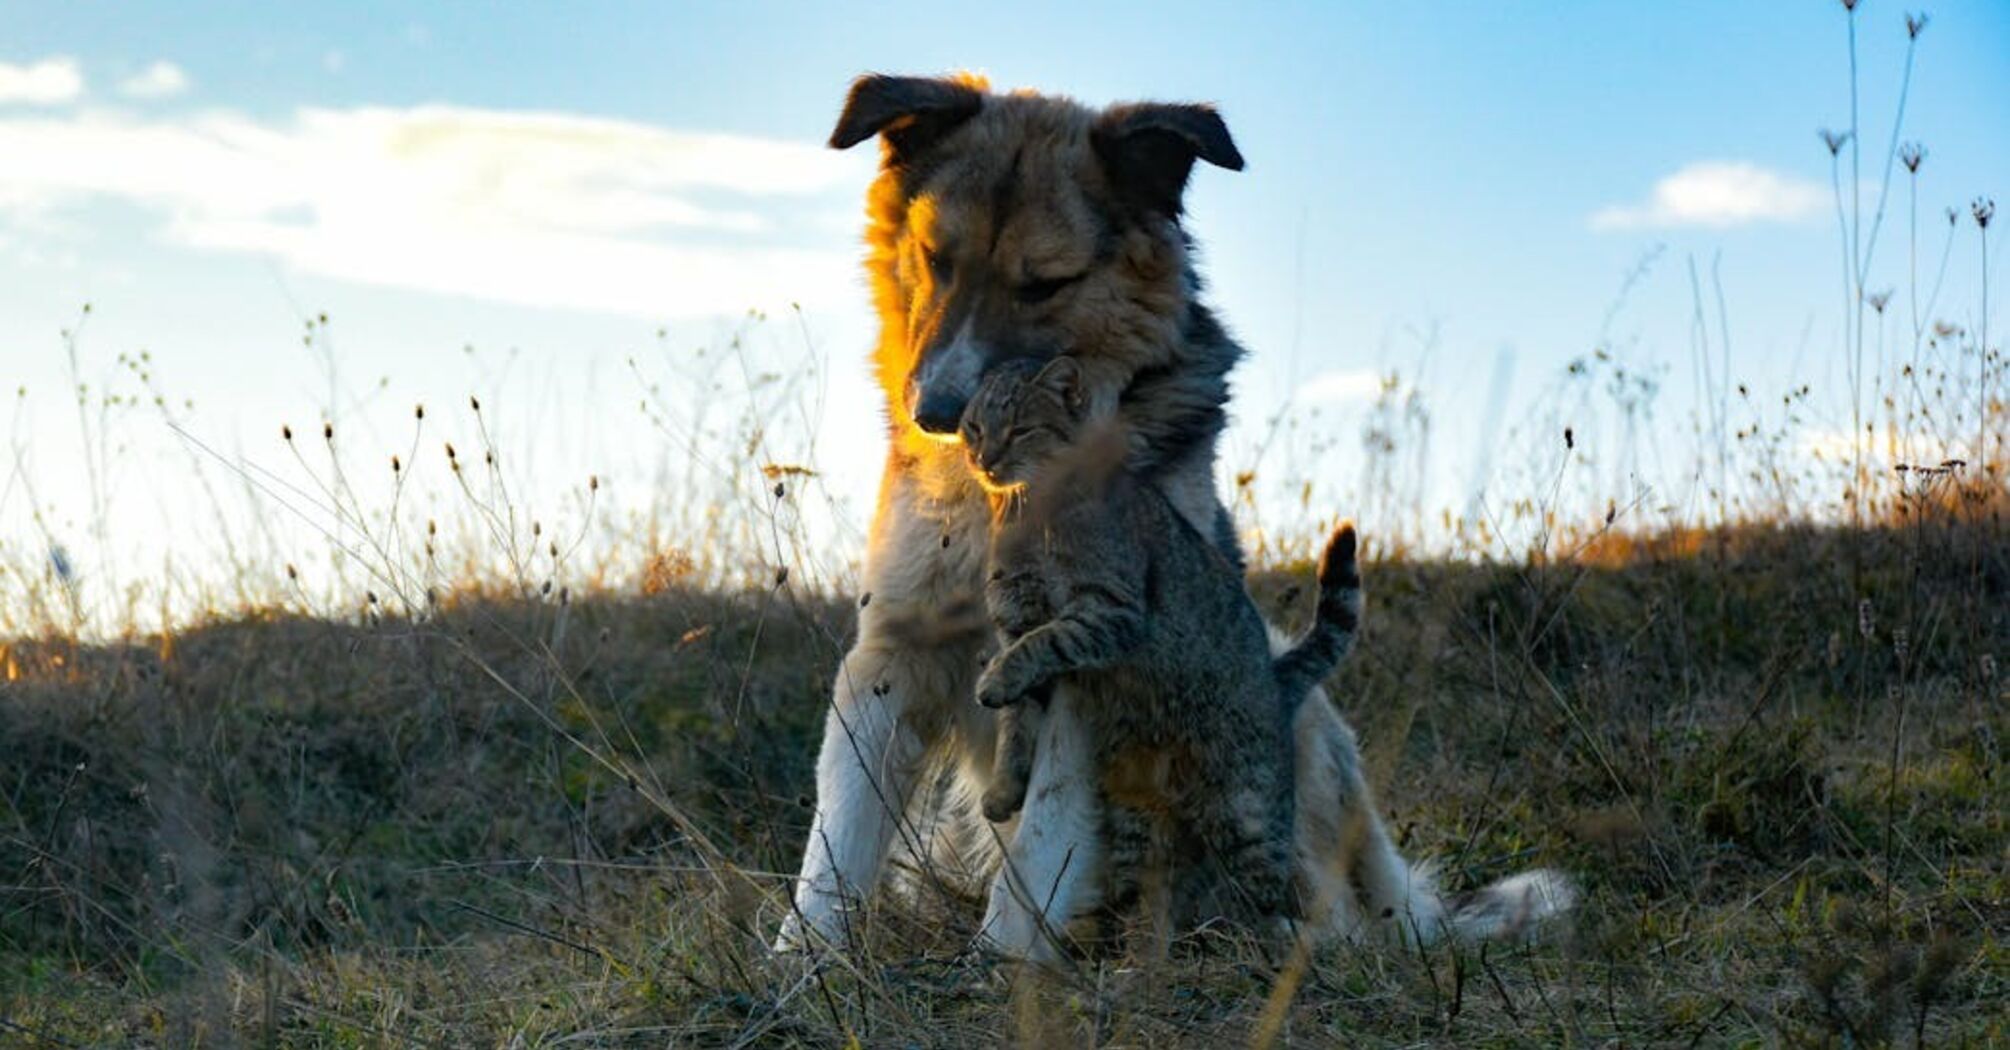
781	575
285	432
474	402
450	450
1911	155
1983	209
395	465
593	483
1569	438
1878	300
1913	24
327	431
418	411
291	572
1834	140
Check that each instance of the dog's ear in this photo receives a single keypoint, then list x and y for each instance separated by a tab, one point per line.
1148	149
910	112
1063	376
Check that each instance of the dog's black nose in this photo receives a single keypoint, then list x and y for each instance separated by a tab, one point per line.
938	415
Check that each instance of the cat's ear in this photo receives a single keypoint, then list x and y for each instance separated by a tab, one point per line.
1063	376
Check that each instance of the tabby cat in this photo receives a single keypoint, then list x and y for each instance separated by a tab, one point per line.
1095	578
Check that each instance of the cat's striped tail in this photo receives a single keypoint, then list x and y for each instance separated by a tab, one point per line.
1331	636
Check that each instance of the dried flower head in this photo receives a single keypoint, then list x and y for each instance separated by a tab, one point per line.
1913	24
418	411
1983	209
1879	300
327	431
1834	140
285	432
1911	155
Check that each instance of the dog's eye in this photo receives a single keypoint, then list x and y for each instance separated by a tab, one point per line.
940	266
1041	290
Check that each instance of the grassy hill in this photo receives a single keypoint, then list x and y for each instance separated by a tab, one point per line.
1773	757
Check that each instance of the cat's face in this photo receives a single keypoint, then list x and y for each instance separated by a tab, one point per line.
1023	416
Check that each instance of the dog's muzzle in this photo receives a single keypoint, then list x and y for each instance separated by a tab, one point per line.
942	387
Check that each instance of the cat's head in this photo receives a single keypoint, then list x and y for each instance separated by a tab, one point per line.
1024	415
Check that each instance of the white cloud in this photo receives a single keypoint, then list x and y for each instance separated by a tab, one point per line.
1336	386
160	80
532	208
45	83
1717	194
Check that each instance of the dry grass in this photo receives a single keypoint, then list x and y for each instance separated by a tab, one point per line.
545	823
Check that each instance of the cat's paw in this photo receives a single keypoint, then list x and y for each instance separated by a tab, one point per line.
998	686
1003	801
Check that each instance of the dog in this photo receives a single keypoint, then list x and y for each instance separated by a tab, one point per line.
1028	226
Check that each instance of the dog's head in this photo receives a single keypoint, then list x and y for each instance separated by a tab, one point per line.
1022	226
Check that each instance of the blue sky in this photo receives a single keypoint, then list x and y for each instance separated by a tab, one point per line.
553	184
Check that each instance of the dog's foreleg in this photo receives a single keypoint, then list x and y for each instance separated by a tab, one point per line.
872	751
1053	864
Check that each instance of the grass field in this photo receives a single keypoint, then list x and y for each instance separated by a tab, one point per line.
497	780
559	821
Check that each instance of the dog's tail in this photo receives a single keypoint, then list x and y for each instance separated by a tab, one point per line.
1394	890
1331	636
